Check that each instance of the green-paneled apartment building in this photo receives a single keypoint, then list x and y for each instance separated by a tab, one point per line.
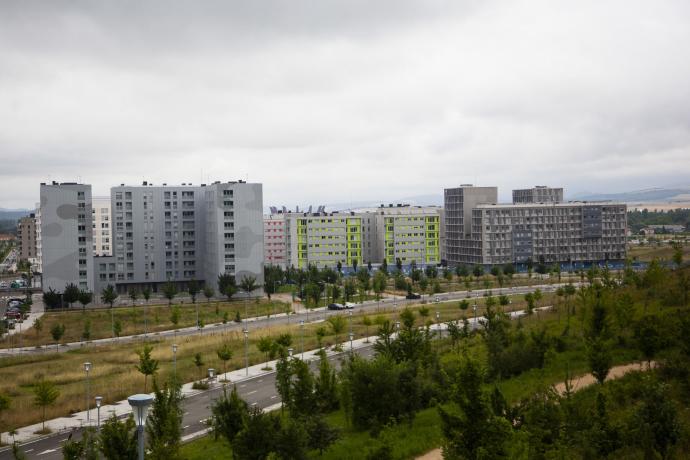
358	237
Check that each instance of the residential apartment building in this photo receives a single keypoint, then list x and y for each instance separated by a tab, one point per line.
576	232
27	237
406	233
538	194
324	239
275	247
183	233
372	235
102	226
66	235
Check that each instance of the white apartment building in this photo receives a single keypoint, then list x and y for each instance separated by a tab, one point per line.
102	226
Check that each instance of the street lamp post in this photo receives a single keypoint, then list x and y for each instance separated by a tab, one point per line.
87	369
140	404
351	337
301	327
290	350
246	351
438	325
99	400
350	315
397	327
474	308
174	349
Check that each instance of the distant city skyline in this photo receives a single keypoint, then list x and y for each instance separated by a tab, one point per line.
333	102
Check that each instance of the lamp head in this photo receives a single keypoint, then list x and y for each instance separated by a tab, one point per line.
290	350
211	373
99	400
140	407
87	366
246	333
174	347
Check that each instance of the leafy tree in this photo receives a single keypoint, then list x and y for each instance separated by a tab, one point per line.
228	415
326	385
349	289
85	298
45	394
175	317
86	449
464	304
366	322
199	363
164	423
321	434
118	439
337	324
649	337
146	294
320	334
208	293
38	326
469	426
86	333
71	294
117	328
503	300
302	402
284	379
109	295
599	358
227	285
169	292
257	439
654	426
193	289
292	440
265	346
57	332
379	283
133	295
478	271
225	354
147	365
52	299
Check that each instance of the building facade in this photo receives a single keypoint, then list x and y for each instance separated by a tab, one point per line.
66	235
27	237
183	233
275	247
538	194
102	226
324	239
523	233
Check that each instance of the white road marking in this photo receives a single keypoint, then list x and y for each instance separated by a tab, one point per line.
274	397
47	451
252	392
185	427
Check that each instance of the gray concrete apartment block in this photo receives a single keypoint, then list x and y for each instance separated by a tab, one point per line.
538	194
66	235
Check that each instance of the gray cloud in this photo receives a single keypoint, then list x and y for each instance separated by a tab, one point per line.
338	101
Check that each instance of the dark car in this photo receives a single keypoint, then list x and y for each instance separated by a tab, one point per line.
335	306
413	296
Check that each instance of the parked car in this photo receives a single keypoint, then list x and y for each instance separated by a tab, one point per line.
350	305
413	296
3	285
335	306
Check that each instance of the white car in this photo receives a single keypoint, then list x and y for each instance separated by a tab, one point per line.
350	305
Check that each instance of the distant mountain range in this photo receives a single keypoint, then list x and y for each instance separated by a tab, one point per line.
638	196
13	214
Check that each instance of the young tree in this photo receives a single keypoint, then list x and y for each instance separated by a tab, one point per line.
38	326
265	346
199	363
326	385
225	354
208	293
52	299
337	324
45	394
86	333
109	295
227	285
133	295
147	365
379	283
86	449
146	294
164	423
193	289
57	331
284	379
321	434
117	328
118	439
71	294
599	358
259	436
470	428
248	284
169	292
302	402
85	298
649	337
228	415
175	317
366	321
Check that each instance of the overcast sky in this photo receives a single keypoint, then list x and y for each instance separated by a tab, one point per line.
328	102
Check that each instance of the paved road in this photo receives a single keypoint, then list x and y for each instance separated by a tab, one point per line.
258	390
308	316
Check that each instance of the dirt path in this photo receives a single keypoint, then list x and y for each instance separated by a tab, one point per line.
577	384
